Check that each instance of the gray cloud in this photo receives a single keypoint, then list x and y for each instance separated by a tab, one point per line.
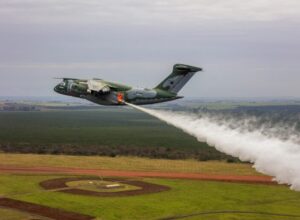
143	12
247	48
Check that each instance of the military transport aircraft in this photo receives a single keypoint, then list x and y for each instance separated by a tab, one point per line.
108	93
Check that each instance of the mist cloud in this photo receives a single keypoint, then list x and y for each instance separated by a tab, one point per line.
271	155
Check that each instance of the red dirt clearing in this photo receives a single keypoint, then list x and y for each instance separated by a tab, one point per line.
171	175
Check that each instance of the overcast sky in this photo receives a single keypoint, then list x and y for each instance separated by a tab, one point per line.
246	48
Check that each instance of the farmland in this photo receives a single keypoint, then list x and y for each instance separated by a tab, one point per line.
126	127
92	147
189	198
107	131
125	163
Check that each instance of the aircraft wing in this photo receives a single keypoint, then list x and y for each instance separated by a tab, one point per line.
98	86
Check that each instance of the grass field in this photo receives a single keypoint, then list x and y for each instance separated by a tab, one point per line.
126	163
185	197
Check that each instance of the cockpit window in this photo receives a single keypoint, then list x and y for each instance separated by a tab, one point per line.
62	84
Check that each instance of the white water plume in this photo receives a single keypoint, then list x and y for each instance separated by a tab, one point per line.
271	155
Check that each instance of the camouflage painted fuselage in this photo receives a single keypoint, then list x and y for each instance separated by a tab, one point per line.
109	93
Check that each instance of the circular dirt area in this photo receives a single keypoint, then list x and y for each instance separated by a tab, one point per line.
136	187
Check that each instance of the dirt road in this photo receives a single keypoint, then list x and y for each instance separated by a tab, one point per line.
116	173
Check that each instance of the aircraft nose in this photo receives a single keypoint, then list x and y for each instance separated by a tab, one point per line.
57	88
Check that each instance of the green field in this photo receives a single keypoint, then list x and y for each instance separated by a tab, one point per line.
107	131
185	197
113	127
126	163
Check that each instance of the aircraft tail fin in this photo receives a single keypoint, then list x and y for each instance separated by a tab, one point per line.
180	75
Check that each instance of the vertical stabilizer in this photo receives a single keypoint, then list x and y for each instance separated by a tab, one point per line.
180	75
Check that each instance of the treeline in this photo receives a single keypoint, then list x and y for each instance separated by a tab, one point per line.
149	152
18	107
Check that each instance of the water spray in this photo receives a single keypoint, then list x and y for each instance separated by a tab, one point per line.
272	156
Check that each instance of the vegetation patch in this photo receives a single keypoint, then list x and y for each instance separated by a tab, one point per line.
104	132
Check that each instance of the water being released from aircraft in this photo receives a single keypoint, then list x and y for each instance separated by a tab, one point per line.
274	151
